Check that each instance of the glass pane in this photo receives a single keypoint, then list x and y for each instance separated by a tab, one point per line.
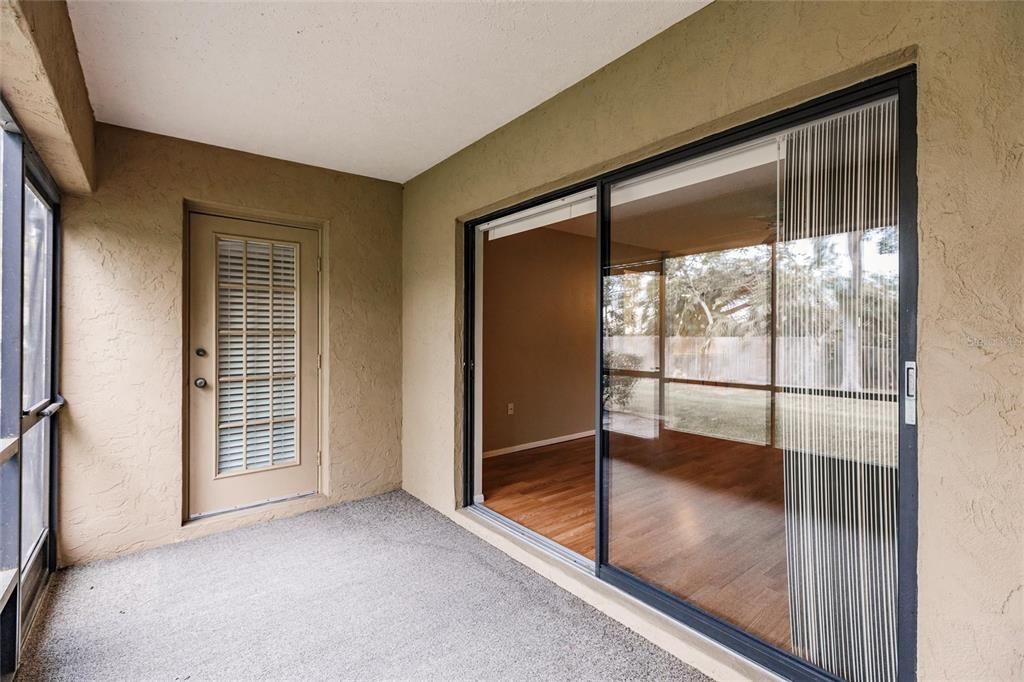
631	320
37	299
837	407
9	473
717	310
753	461
631	405
256	354
738	414
284	442
35	481
696	490
870	425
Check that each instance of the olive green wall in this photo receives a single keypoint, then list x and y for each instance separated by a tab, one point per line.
122	315
731	63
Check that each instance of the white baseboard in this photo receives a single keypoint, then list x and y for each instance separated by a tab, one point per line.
538	443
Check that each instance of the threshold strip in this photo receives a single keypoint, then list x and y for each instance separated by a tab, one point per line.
533	538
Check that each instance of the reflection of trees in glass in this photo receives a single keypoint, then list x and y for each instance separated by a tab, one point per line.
631	304
842	291
630	310
837	296
718	294
618	390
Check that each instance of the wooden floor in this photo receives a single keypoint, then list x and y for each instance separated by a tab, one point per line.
549	490
700	517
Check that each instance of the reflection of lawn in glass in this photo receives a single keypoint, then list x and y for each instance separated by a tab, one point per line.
842	427
638	416
730	413
861	430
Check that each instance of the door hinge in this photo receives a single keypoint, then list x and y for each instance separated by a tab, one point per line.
319	360
319	264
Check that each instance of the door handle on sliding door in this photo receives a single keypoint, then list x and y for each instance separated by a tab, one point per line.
42	409
910	393
53	407
36	409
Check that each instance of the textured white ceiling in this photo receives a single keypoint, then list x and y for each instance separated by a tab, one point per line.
383	89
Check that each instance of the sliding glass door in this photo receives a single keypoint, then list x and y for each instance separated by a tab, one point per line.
696	501
752	381
750	387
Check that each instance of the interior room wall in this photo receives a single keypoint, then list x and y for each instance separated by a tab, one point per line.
538	337
731	63
122	316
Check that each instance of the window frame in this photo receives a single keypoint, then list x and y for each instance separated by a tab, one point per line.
20	594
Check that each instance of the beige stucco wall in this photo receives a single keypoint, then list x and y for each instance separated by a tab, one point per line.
730	63
121	447
42	81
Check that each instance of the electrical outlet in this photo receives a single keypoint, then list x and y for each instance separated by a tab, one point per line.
511	409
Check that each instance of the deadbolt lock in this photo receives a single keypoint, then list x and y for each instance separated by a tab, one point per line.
200	383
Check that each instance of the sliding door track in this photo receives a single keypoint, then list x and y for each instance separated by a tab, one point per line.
533	538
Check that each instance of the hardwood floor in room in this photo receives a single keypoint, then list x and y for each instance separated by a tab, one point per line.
700	517
549	490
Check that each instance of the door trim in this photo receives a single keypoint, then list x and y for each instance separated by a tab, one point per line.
251	505
221	210
901	82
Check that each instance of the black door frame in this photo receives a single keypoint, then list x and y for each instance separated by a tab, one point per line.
901	83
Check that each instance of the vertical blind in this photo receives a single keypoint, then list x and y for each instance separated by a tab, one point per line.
256	354
837	325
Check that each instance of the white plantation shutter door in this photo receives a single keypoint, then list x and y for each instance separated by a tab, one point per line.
257	380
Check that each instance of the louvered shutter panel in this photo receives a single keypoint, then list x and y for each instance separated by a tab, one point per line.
257	383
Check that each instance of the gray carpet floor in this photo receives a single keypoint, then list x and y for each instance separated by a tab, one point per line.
384	588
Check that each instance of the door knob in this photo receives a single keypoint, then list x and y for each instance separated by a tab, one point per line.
200	382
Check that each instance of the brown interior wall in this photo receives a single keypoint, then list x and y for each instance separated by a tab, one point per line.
122	317
538	337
